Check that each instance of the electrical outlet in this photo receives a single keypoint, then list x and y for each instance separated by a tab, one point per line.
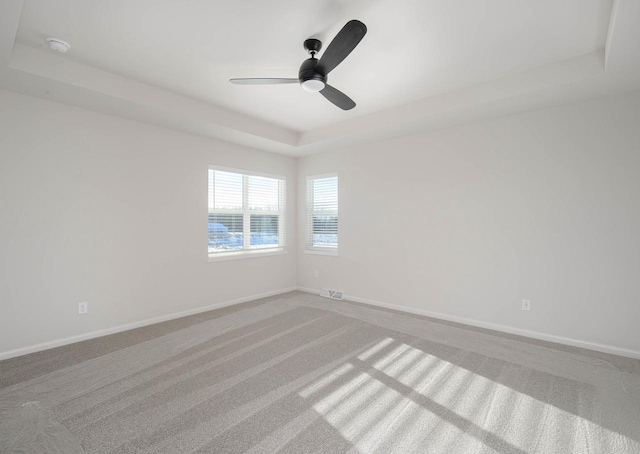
316	273
83	307
526	305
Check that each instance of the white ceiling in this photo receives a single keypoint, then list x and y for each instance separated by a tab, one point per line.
168	62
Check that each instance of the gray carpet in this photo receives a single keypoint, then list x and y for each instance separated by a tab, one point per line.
301	374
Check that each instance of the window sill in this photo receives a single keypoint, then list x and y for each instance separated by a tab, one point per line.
321	252
246	254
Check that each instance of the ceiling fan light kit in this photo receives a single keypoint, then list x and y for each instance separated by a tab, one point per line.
313	73
313	85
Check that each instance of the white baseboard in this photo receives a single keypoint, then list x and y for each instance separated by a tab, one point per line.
620	351
129	326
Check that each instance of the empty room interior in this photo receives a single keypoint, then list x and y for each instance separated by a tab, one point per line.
345	226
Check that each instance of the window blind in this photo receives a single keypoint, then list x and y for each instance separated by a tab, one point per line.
322	213
246	212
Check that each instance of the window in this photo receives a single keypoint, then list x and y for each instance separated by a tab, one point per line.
246	213
322	214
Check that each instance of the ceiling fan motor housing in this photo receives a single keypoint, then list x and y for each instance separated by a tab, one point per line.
310	79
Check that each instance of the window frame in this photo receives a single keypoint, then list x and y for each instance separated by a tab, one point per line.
246	212
309	248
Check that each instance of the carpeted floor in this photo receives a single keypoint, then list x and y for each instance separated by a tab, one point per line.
297	373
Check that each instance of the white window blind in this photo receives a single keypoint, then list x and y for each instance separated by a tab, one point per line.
246	212
322	213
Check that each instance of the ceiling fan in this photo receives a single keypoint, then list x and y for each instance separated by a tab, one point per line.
313	73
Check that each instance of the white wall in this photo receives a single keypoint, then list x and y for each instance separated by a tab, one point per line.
469	221
465	222
101	209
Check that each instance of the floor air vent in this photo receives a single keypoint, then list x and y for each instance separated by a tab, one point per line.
333	294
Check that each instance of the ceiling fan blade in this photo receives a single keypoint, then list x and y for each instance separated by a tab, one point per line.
337	97
345	41
263	81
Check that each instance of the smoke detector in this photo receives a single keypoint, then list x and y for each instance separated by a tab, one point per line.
58	45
